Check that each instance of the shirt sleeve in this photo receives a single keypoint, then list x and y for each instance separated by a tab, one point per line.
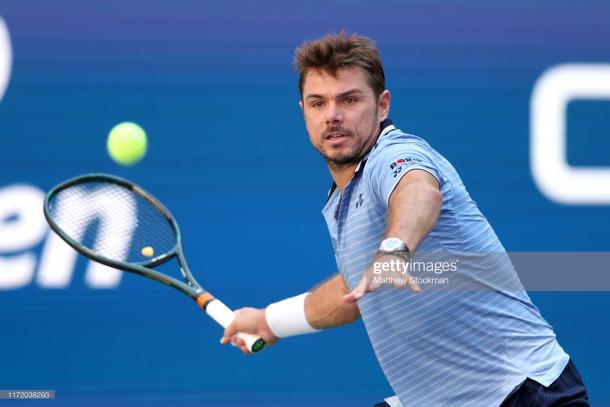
389	165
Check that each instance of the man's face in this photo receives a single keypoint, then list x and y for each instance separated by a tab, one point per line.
342	114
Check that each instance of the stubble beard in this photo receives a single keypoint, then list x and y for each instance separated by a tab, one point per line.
344	158
355	154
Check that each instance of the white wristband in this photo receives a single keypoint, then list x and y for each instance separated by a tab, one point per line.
287	317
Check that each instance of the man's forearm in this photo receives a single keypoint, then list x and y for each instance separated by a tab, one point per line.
414	208
325	308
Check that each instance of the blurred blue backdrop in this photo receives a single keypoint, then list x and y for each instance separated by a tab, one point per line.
213	85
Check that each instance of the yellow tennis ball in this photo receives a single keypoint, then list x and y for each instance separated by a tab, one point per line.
127	143
148	251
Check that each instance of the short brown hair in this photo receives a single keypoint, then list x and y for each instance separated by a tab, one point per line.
335	51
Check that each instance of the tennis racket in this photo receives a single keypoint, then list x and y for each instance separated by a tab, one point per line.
119	208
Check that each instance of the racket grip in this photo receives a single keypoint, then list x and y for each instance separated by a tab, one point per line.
224	316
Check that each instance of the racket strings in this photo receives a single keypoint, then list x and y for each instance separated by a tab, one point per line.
112	221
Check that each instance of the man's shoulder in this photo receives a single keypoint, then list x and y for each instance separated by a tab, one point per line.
399	142
398	152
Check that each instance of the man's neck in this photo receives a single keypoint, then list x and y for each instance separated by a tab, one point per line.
342	175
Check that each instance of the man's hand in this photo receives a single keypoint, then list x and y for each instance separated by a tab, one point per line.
252	321
386	271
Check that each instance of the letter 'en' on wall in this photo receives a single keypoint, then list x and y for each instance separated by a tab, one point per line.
117	226
23	228
552	93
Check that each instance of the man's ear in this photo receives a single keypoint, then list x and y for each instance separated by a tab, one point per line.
301	104
384	105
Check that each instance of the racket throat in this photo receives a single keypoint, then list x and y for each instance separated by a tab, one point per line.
185	277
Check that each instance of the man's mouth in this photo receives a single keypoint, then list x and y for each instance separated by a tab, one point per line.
335	136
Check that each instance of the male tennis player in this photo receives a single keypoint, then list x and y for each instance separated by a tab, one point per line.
465	334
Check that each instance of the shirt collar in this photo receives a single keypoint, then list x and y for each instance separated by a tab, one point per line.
386	127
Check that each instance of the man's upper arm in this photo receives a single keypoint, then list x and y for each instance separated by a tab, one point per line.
415	176
394	162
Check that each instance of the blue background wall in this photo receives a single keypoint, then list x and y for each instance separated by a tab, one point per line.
214	87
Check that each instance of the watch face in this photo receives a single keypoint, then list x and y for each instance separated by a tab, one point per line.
392	244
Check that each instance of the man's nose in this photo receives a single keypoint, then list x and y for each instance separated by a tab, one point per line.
333	113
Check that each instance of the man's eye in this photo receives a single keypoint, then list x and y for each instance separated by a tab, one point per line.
349	101
317	103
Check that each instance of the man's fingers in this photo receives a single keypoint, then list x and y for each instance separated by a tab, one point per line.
230	331
401	282
357	292
372	283
241	344
237	341
250	321
230	336
414	286
406	281
379	275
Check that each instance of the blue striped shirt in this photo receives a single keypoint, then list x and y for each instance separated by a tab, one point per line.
466	340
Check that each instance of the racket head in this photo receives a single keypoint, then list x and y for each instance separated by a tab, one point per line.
133	221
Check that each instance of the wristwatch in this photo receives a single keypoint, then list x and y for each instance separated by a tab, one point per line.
396	247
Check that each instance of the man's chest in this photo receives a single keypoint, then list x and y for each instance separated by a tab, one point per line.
356	223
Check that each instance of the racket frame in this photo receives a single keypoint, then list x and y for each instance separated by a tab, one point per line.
190	287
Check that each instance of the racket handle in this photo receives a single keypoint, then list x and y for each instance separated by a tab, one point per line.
224	316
